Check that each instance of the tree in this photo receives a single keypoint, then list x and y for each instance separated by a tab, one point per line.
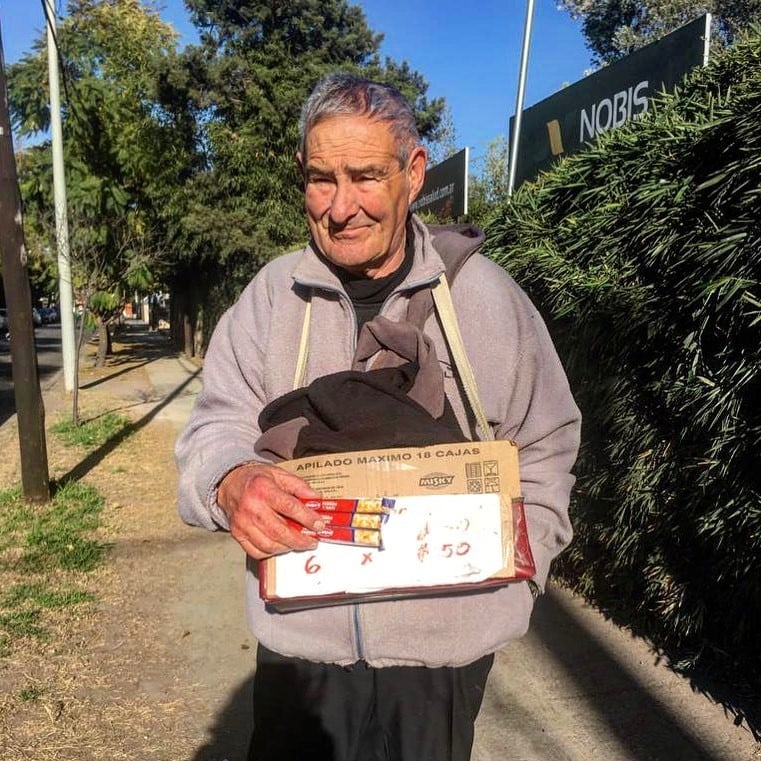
445	143
615	28
488	188
122	150
246	82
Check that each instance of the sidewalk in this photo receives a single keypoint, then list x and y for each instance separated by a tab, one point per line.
575	688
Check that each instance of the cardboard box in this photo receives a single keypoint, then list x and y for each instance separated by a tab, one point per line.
470	468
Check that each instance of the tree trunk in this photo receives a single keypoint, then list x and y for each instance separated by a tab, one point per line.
188	335
78	354
184	308
104	342
178	300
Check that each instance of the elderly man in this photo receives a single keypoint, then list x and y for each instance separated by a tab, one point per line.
400	679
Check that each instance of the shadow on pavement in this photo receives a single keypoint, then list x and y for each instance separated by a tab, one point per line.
140	334
633	714
136	342
231	732
84	467
129	369
744	708
735	690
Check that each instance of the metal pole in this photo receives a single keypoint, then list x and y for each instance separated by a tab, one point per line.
68	342
521	94
467	174
30	412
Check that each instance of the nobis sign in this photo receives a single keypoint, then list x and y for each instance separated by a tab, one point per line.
445	192
563	123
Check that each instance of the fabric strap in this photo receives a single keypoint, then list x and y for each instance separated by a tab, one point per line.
442	299
301	363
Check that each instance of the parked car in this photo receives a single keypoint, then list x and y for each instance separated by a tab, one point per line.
49	315
4	327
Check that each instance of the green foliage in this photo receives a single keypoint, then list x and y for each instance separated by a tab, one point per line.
488	188
90	433
445	143
43	549
39	595
19	624
59	537
180	167
642	252
123	152
246	83
615	28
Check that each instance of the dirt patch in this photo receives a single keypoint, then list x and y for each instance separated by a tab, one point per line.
110	681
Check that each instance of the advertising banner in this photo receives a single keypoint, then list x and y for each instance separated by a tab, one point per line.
563	123
445	192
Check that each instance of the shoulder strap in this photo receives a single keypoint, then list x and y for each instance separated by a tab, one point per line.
442	298
301	362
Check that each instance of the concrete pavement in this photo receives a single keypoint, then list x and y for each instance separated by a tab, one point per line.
577	687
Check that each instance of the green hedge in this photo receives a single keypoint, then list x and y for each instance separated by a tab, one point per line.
644	255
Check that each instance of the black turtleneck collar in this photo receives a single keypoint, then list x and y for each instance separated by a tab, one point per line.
369	294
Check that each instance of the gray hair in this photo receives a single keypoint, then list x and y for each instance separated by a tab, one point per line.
343	94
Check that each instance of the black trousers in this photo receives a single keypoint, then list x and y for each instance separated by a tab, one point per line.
306	711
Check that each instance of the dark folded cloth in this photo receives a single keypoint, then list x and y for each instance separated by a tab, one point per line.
386	407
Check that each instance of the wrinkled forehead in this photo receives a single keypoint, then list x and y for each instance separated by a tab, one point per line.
352	139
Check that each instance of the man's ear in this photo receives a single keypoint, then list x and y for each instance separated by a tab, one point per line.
300	164
416	171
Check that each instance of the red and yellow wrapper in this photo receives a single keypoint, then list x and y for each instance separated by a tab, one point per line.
362	505
348	521
364	537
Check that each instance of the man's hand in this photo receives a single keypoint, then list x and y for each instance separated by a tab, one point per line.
257	498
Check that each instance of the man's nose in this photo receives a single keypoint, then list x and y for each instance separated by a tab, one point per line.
344	204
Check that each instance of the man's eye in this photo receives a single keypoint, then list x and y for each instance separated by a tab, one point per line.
368	178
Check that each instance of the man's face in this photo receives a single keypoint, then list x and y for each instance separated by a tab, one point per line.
357	194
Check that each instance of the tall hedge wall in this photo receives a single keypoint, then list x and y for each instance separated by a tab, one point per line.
644	255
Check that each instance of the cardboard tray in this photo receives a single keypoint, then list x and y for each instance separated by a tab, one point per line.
462	468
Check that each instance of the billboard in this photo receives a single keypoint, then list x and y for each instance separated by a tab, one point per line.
445	192
563	123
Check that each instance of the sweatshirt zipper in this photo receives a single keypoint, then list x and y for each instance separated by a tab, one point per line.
356	623
357	626
357	632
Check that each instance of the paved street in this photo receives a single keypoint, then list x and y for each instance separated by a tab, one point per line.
48	342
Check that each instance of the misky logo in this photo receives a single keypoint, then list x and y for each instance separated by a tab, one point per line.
436	480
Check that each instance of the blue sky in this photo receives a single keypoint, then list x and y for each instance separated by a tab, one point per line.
468	52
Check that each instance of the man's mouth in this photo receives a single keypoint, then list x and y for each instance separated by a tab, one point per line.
349	233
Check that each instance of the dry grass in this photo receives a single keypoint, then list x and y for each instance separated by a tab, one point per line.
103	684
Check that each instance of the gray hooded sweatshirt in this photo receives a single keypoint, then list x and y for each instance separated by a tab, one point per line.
251	361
